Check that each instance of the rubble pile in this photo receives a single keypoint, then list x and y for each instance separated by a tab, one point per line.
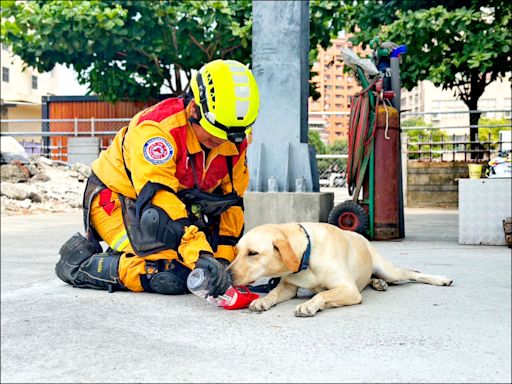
41	185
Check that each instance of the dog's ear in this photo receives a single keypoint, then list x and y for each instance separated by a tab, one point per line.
289	257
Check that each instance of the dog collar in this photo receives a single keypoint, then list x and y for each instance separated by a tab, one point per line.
304	264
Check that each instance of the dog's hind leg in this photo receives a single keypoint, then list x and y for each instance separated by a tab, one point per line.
384	269
344	294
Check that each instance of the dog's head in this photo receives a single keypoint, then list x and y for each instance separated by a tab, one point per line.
269	250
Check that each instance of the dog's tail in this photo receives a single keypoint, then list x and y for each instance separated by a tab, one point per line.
387	271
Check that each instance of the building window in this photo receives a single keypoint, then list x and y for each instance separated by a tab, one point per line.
5	74
4	48
34	82
506	104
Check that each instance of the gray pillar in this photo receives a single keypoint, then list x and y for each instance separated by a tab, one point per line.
395	82
280	64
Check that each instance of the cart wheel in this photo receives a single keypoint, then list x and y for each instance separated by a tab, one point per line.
349	216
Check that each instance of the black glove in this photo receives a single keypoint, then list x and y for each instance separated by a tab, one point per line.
220	279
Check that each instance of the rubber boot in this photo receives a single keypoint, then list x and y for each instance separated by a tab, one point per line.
171	282
72	254
81	267
99	272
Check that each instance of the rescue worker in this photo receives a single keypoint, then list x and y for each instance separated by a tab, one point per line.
166	195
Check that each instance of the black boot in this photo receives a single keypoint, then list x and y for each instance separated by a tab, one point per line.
81	267
171	282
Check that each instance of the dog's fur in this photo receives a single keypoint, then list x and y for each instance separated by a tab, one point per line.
342	264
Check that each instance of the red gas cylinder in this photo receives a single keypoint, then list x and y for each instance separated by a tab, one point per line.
387	166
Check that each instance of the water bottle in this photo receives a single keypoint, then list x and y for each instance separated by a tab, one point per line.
198	282
300	184
273	184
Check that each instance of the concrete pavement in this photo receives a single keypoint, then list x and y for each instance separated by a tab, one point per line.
52	332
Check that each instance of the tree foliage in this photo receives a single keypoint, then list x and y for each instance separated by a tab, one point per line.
492	127
316	142
457	44
415	136
127	49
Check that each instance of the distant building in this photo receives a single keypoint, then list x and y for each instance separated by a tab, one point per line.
426	97
336	89
21	91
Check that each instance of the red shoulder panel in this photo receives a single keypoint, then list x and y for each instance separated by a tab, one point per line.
162	110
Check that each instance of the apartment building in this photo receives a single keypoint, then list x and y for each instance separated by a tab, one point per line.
336	89
21	90
433	101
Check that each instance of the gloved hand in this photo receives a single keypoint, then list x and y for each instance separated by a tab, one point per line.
220	279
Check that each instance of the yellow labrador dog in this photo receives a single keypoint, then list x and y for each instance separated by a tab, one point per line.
341	264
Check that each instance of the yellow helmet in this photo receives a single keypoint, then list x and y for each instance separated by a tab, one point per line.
227	99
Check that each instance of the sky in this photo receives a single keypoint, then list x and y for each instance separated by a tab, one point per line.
68	85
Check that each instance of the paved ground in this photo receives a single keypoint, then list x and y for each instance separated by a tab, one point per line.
52	332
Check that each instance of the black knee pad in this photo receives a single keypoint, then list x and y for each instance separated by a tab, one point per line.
171	282
72	254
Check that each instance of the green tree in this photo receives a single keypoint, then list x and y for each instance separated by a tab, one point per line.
459	44
423	135
489	132
338	147
316	142
127	49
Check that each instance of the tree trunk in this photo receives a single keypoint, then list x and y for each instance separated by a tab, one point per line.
474	118
477	89
177	76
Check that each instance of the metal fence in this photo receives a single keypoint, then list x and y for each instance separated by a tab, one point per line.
422	139
437	135
49	137
454	148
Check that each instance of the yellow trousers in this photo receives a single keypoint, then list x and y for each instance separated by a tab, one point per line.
107	220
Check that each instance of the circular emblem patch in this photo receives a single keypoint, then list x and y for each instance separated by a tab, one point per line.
158	150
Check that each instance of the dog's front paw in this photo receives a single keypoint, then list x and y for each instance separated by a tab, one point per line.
306	309
259	305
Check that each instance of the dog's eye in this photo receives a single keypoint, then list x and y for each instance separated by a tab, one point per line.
252	253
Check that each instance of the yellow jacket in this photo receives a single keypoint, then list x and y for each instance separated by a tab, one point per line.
159	146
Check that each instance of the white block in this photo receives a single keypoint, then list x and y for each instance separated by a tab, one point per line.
483	205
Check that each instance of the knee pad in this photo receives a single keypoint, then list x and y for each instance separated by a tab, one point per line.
72	254
171	282
151	230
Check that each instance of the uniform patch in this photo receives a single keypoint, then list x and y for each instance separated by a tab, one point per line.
158	150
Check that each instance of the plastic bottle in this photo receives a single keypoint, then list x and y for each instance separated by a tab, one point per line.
198	283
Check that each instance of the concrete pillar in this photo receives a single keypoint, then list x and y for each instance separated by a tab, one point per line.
280	64
280	150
